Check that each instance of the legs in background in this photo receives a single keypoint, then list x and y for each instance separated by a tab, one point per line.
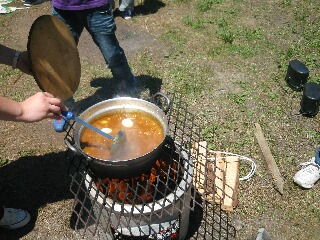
101	25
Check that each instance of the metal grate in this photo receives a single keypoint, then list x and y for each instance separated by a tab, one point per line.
106	209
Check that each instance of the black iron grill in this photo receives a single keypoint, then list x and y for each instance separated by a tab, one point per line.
161	204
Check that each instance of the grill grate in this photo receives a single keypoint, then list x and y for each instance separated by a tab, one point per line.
177	208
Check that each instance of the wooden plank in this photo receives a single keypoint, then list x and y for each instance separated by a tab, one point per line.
230	198
271	163
199	152
219	176
216	177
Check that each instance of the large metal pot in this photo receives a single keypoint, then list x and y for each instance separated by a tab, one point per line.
123	168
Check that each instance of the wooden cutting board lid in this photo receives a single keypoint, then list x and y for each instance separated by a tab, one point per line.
54	57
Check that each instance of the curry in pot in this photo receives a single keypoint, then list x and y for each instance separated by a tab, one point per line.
144	133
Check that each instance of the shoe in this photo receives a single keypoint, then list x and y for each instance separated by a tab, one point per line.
29	3
127	14
14	218
308	175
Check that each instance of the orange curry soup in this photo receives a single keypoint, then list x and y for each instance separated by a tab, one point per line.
144	133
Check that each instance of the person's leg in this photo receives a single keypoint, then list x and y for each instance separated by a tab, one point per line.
112	3
317	157
102	27
126	5
72	19
75	24
126	8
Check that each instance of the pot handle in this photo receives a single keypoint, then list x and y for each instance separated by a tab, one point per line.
71	147
155	101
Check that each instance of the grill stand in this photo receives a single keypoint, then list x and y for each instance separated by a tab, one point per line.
148	219
95	217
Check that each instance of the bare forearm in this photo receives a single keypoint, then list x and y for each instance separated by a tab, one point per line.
10	110
14	58
39	106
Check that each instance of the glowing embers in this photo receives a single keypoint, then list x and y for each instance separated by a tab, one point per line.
162	180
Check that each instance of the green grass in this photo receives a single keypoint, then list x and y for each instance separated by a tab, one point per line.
229	59
26	153
3	162
248	50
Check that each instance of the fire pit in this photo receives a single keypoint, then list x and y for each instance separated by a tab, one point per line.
155	204
130	205
145	188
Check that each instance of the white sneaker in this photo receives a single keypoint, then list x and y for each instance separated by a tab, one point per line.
308	175
14	218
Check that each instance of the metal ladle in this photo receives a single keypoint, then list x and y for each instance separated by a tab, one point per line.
119	141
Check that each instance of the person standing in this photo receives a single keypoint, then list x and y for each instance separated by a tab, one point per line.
40	106
97	17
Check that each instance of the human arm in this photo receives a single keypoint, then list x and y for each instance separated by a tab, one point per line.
7	56
40	106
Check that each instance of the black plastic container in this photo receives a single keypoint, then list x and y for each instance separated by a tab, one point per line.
310	100
297	75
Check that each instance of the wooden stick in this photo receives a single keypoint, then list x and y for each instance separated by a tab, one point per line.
271	163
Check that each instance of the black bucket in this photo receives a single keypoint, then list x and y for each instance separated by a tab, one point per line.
310	100
297	75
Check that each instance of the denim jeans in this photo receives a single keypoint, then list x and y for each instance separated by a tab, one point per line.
100	23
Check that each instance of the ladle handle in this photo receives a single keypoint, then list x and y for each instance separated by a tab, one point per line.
59	125
70	115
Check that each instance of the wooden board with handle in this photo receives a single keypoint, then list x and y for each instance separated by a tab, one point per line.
54	57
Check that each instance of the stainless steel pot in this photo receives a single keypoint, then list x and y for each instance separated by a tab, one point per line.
123	168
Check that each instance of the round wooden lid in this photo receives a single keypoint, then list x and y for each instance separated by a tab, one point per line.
54	57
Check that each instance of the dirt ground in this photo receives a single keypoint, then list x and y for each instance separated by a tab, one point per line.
25	181
36	153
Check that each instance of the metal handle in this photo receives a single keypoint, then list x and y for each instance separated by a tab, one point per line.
154	100
71	147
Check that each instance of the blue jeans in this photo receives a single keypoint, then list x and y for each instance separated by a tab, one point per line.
100	23
317	158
